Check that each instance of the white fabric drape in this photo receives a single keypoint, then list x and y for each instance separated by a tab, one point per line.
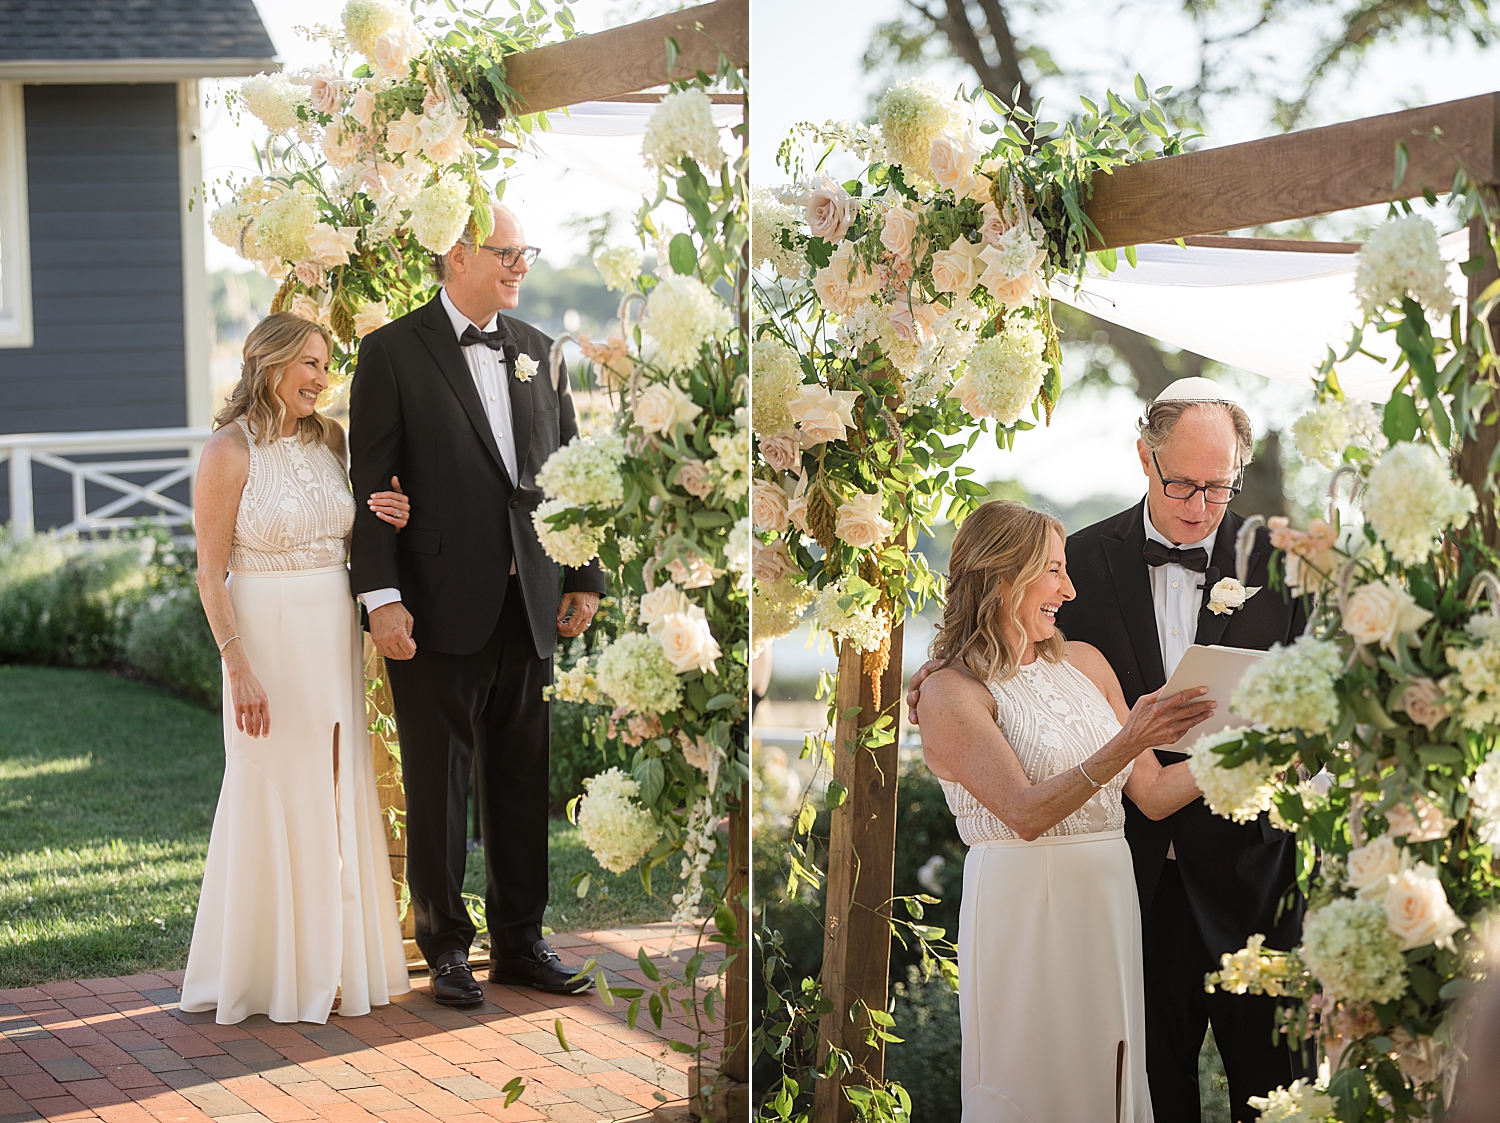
1271	312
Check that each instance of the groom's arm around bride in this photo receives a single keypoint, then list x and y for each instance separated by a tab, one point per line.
464	603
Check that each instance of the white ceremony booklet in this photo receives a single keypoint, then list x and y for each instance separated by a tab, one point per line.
1219	669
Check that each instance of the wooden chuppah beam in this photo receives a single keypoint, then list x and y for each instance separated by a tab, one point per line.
628	59
1298	175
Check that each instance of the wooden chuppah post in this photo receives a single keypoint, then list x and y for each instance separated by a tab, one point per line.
1275	179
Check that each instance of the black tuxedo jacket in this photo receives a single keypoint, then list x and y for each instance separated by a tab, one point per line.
1235	874
414	412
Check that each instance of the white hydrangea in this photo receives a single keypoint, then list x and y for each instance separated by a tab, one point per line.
1004	374
585	470
1402	259
730	469
1292	687
634	672
573	546
275	101
683	125
773	224
681	315
440	212
284	224
1478	674
1323	432
775	608
1411	497
737	547
863	627
1303	1102
1240	793
575	684
619	266
912	115
776	378
1484	799
616	828
1348	945
366	20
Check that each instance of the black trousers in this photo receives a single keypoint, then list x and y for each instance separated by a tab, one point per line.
451	711
1178	1011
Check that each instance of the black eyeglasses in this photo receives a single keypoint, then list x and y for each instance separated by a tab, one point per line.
1217	494
509	255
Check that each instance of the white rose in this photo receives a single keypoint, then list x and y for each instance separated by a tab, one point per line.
393	50
968	397
404	135
897	232
830	211
768	506
859	282
693	478
1428	825
773	562
307	308
340	145
660	603
310	273
823	415
796	511
362	105
687	641
994	225
662	407
326	91
700	574
1381	612
859	522
952	165
331	245
526	368
1422	701
1417	909
832	288
699	752
1371	867
782	452
1228	595
371	316
957	268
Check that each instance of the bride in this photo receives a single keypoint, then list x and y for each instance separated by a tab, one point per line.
297	905
1033	744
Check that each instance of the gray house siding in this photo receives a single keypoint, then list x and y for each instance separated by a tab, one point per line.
106	260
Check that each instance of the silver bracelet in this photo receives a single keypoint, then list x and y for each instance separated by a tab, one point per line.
231	639
1090	779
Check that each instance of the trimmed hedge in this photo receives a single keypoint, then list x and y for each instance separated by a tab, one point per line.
171	641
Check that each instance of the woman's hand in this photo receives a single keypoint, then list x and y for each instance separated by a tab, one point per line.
392	506
252	709
1155	721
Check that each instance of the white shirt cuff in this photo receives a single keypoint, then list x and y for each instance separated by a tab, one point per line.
375	598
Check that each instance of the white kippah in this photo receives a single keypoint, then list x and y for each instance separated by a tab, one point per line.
1198	390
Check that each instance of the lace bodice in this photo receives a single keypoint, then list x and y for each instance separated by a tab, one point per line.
1055	718
296	511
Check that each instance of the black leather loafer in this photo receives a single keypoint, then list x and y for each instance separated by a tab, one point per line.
541	969
453	983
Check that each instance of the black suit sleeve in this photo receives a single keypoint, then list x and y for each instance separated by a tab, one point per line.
375	440
590	578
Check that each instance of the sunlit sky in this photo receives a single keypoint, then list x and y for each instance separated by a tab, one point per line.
806	66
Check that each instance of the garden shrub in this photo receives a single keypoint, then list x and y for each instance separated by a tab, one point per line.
170	640
927	1060
67	602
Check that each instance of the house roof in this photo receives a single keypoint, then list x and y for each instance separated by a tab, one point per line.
71	40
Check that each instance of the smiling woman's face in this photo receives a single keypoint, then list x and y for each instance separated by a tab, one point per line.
1041	599
302	381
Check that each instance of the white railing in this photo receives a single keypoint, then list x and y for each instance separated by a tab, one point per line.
54	450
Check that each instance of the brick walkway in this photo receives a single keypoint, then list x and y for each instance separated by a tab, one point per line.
120	1050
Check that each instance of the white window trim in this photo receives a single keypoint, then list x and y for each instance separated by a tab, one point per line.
15	221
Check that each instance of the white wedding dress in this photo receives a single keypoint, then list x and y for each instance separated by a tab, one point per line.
1049	932
297	903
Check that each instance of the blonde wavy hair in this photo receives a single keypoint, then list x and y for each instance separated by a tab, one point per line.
1002	541
274	344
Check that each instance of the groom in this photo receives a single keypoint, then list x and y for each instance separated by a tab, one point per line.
1206	884
465	606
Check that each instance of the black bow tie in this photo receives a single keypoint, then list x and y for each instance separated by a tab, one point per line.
1157	554
494	340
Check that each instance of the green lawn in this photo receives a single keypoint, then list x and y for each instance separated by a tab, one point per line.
107	792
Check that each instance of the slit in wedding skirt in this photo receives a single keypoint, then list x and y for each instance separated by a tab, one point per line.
1119	1079
336	789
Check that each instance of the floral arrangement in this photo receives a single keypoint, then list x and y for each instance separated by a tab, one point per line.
1373	736
663	501
900	313
374	160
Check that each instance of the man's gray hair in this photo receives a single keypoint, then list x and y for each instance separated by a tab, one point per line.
1161	418
440	260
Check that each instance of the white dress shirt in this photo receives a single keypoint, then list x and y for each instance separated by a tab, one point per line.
1177	596
493	383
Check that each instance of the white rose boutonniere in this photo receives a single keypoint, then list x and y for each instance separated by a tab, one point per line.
1228	595
525	368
